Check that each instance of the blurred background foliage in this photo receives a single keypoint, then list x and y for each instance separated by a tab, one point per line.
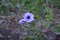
56	3
37	7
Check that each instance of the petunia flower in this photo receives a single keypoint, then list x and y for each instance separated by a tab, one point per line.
27	17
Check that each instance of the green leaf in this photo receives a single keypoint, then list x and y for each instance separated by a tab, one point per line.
26	38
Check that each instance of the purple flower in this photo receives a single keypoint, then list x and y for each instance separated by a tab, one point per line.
28	17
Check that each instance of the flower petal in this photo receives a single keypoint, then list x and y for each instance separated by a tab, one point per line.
21	21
